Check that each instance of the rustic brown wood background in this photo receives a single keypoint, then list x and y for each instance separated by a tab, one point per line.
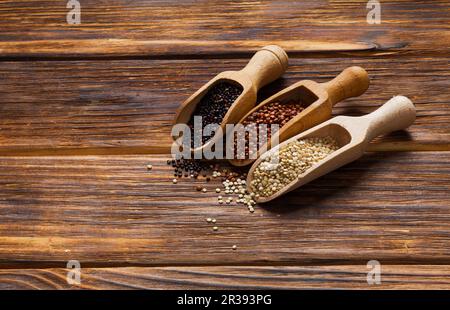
83	109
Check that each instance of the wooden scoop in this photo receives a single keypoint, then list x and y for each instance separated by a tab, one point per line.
353	135
319	100
265	66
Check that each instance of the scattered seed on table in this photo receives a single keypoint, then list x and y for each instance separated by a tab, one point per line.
209	220
204	189
174	181
215	228
234	247
213	221
149	167
217	190
198	188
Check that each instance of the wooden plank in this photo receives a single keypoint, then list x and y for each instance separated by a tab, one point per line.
229	277
103	210
127	107
122	28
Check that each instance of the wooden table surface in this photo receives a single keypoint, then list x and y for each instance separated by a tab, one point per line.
84	108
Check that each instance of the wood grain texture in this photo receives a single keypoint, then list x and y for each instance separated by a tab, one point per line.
117	107
229	277
32	28
109	210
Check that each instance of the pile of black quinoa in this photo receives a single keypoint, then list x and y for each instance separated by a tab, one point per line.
214	105
188	168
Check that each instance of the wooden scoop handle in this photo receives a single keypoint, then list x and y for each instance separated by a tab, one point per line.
396	114
352	82
266	65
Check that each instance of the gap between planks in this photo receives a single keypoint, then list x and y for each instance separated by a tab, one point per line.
27	265
174	49
89	151
386	53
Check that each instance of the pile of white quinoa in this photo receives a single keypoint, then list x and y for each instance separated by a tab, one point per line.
271	175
